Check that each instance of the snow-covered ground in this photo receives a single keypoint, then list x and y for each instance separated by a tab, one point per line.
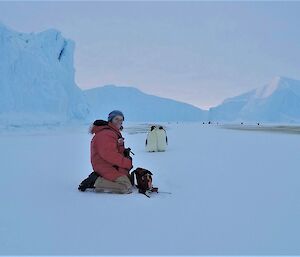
234	192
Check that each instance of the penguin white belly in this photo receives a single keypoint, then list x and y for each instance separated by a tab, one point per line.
151	143
161	139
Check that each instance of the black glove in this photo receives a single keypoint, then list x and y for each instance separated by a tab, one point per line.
127	152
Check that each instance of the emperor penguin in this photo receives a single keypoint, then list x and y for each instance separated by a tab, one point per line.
151	141
156	139
162	139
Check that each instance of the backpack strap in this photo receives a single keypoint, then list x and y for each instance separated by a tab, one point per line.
132	178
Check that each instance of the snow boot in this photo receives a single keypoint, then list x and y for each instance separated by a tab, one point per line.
88	182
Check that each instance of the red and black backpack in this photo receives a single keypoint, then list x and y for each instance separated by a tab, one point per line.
143	178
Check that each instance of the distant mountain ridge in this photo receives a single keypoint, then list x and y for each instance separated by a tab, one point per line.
139	106
277	101
37	86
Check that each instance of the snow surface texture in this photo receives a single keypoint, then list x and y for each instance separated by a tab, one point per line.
278	101
233	193
37	79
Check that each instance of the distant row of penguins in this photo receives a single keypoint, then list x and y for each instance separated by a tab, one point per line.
210	122
242	123
157	139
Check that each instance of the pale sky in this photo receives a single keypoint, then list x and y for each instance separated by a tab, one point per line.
195	52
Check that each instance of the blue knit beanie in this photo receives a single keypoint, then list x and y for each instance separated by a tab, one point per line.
113	114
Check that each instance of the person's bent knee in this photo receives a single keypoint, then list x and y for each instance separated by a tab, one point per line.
124	181
121	185
126	191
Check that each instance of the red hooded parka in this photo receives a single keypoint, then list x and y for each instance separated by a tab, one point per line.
107	152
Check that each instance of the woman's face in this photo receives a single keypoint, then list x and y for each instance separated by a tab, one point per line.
117	121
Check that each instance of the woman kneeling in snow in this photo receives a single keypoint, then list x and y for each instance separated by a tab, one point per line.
108	156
